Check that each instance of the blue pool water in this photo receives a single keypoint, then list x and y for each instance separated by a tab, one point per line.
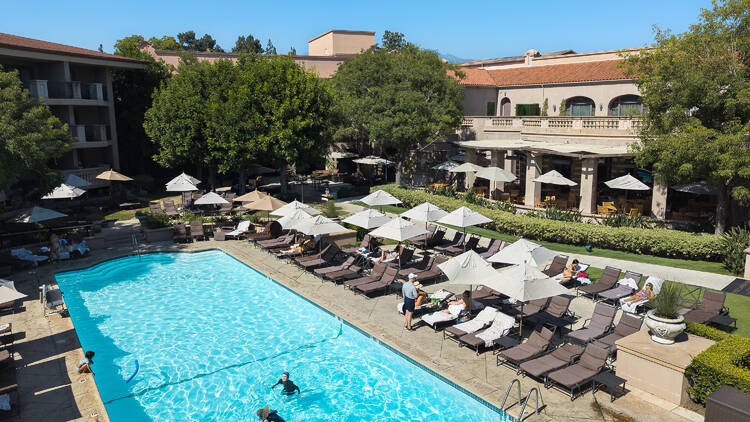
212	335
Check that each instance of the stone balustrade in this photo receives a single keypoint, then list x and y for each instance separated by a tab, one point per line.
550	125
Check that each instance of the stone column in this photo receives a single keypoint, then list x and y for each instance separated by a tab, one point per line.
497	160
747	264
589	194
659	200
471	157
533	170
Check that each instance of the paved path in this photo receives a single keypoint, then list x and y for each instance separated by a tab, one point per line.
695	278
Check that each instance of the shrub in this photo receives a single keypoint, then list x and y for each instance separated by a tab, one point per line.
553	213
734	243
659	242
505	206
720	364
330	209
705	331
624	220
156	220
667	302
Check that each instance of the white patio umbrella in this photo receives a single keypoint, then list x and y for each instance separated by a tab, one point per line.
523	251
184	176
9	295
399	230
38	214
446	165
466	168
64	192
464	217
367	219
318	225
553	177
380	197
293	206
425	212
626	182
289	220
372	160
211	198
495	174
181	185
73	180
468	268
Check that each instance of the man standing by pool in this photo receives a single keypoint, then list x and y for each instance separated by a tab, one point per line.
288	387
410	294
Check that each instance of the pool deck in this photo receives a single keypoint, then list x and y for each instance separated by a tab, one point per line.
51	389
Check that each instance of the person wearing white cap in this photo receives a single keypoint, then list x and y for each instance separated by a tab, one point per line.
410	295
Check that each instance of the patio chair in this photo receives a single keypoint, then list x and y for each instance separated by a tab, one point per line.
459	249
494	247
242	228
365	244
324	258
628	324
422	239
384	284
483	292
606	281
52	300
712	304
538	343
422	265
272	230
458	240
435	239
283	240
632	307
487	338
625	287
179	233
483	320
375	275
575	376
597	326
439	319
404	256
169	209
556	314
533	307
559	358
557	266
353	270
434	273
196	230
322	271
155	207
220	235
437	301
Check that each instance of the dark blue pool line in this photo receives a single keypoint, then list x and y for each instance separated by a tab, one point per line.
408	358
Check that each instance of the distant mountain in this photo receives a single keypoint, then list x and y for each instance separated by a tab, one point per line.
453	59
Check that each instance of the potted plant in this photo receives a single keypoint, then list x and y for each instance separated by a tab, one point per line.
157	227
664	321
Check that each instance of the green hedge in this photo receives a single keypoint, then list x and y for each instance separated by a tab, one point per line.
720	364
658	242
705	331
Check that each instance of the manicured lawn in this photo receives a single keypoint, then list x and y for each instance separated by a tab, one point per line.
124	214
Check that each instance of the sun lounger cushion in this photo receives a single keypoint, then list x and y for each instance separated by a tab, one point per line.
538	342
499	328
559	358
436	317
484	318
590	364
625	287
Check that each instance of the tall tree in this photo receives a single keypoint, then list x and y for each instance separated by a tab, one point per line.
270	49
167	42
189	42
247	44
396	99
31	137
293	51
696	89
393	40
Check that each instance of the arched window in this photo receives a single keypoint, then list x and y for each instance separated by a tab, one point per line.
505	107
626	105
580	106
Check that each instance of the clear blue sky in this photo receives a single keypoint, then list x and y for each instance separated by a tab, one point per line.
467	29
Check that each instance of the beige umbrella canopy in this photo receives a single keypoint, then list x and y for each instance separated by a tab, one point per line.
466	168
266	203
553	177
251	196
114	176
495	174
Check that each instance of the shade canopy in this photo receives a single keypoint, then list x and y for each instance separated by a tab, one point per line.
626	182
318	225
399	230
290	220
9	295
113	175
446	165
38	214
73	180
372	160
380	197
525	282
698	188
64	192
425	212
495	174
523	251
466	168
553	177
185	176
367	219
211	198
250	196
181	185
464	217
293	206
468	268
267	203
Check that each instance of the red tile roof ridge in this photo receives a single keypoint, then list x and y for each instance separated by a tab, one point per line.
25	43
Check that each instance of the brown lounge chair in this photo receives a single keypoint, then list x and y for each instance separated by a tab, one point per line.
559	358
483	292
712	304
334	268
422	265
385	282
196	230
423	238
621	290
368	242
155	207
312	257
484	318
458	240
404	256
628	324
285	239
557	313
435	239
459	249
607	281
432	273
180	233
538	343
325	258
533	307
337	275
272	230
169	209
494	247
375	275
557	266
575	376
597	326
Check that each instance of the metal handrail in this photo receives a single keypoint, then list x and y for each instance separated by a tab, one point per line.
136	246
507	392
525	402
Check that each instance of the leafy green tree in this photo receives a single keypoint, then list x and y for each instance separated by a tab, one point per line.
396	99
696	90
270	49
189	42
167	42
31	137
293	51
247	44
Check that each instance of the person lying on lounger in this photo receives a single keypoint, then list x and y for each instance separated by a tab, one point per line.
385	256
306	245
459	305
646	293
288	387
570	271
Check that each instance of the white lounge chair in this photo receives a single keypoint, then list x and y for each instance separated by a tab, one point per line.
488	337
242	228
482	320
438	318
632	307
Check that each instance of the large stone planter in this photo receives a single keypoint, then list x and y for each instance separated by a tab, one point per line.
664	330
158	235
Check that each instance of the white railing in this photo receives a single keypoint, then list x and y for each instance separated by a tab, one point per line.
467	121
566	124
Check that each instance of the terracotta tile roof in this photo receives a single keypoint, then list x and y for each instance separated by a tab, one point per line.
23	43
605	70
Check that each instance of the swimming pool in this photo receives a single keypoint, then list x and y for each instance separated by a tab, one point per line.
211	335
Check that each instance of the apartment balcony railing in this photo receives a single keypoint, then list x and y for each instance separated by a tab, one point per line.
40	88
89	174
90	133
581	125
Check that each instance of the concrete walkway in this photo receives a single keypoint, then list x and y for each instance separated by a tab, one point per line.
695	278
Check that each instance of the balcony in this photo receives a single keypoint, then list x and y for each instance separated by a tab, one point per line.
541	127
75	90
89	134
89	175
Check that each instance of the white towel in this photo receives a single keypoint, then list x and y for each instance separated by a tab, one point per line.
499	328
631	307
438	316
480	321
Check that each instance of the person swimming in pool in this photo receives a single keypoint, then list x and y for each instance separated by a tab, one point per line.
288	387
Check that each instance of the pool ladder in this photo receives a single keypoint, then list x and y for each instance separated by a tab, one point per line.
523	403
136	246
